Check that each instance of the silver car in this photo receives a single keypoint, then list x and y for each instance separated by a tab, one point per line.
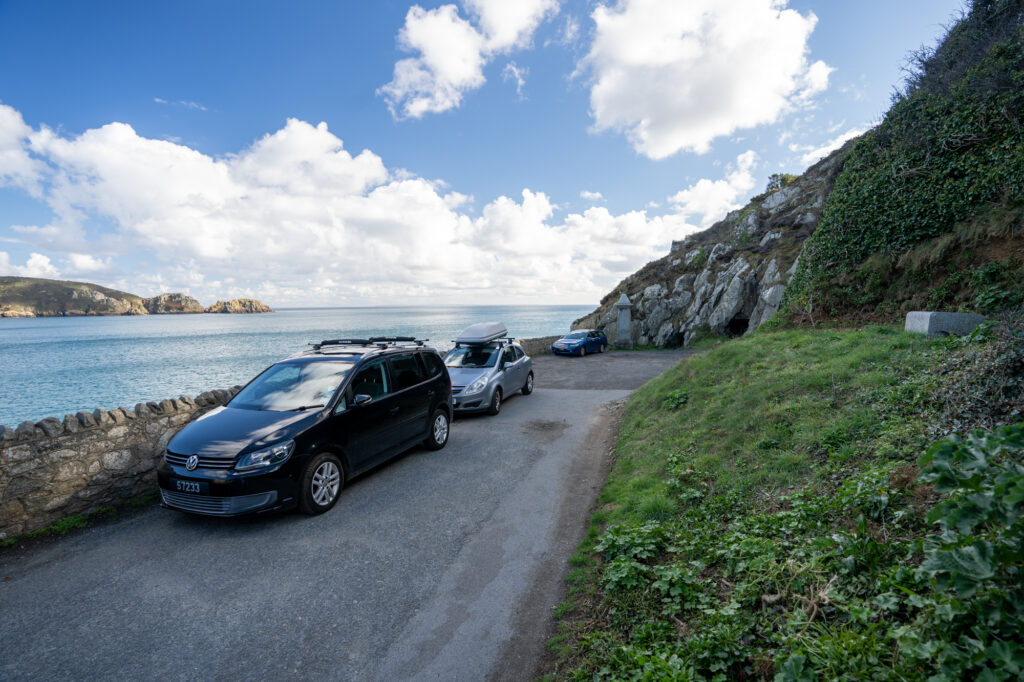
486	366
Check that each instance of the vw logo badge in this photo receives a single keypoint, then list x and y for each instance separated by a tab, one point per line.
192	462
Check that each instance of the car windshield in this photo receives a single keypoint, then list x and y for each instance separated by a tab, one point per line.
576	335
292	386
472	356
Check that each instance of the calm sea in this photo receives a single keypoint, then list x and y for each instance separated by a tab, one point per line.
52	366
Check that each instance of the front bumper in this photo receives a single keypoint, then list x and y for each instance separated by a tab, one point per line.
227	493
578	350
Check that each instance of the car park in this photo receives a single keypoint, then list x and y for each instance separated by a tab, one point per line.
297	432
580	342
487	366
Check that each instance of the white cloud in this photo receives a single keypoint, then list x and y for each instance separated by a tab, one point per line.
17	167
675	75
591	196
451	52
812	154
37	265
517	74
713	199
295	218
83	263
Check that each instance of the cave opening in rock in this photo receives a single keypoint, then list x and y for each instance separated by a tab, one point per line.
738	325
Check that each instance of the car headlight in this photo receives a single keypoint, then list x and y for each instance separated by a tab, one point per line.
476	386
267	457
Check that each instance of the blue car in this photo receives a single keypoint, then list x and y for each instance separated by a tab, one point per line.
581	342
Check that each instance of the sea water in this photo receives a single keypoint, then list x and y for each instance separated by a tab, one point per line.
51	366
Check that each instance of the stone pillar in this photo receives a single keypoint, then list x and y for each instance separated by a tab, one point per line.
625	326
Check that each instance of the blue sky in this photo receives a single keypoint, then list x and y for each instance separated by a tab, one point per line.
533	151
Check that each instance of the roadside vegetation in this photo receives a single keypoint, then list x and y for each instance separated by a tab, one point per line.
785	506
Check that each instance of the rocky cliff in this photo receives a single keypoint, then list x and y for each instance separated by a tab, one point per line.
37	297
730	278
239	305
173	303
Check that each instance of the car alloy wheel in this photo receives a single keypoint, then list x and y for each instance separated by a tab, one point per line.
322	480
528	386
439	430
326	482
583	351
495	407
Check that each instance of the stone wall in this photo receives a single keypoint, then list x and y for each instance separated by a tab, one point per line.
539	346
53	469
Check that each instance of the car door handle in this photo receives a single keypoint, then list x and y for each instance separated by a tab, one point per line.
431	393
393	411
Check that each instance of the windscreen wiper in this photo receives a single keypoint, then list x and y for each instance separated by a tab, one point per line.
305	407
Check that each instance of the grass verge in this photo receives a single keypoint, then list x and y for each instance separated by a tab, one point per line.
766	517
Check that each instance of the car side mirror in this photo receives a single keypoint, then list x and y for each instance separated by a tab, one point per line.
361	399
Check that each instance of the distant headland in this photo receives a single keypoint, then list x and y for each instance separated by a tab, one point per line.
35	297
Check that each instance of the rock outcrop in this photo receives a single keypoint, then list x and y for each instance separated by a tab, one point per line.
730	278
166	304
239	305
38	297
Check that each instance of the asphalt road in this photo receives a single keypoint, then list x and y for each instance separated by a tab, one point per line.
437	566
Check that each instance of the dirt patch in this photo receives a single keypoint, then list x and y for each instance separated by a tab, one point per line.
544	431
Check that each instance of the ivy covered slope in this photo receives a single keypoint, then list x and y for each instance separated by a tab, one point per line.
928	211
783	507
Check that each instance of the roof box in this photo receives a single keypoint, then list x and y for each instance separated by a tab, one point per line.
482	332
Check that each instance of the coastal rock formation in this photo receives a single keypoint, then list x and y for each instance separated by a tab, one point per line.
239	305
172	303
38	297
730	278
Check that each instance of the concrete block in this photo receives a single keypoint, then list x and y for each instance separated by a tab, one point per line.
942	324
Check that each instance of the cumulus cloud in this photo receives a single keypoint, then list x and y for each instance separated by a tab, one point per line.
674	76
712	199
17	166
296	218
451	51
811	154
591	196
37	265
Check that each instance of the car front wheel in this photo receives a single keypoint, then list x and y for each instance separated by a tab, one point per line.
322	481
528	386
583	351
495	406
439	428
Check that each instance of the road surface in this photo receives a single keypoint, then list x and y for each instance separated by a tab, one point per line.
436	566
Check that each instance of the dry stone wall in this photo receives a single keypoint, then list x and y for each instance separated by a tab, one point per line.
53	468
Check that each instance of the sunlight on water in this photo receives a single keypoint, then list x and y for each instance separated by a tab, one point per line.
58	365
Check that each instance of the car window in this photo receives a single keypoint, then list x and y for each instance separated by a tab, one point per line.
575	335
472	356
433	363
291	386
520	353
406	371
510	355
371	380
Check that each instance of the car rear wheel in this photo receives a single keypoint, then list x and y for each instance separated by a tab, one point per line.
322	481
439	428
528	386
600	349
495	406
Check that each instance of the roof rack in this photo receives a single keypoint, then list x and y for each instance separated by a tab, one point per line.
378	341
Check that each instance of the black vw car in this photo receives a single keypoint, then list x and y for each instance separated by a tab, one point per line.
294	434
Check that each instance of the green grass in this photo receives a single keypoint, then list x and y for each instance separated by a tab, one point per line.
70	523
774	524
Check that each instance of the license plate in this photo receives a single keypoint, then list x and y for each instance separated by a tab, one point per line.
194	487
